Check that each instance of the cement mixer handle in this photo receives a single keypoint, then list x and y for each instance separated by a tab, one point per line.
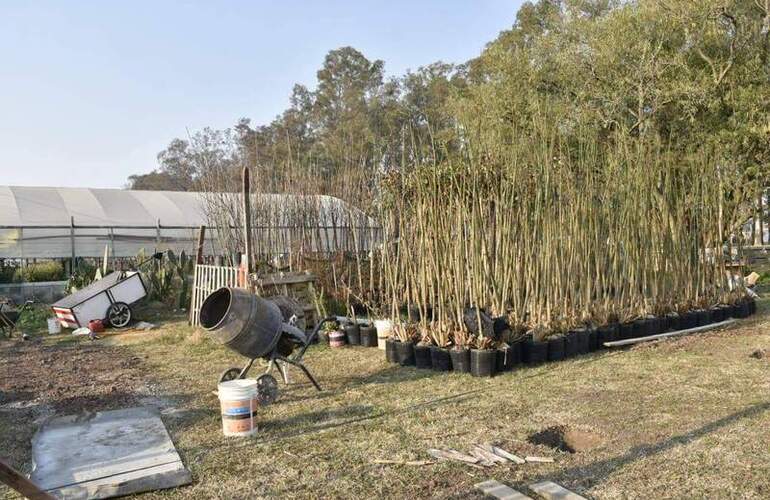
314	335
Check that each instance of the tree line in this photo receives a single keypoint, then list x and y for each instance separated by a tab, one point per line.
686	76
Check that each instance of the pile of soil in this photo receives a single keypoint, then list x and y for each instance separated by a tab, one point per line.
567	439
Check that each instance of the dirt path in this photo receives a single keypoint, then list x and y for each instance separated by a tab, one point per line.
40	378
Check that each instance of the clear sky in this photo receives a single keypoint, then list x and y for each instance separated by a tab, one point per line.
90	91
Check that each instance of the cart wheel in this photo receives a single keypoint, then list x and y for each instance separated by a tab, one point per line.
230	374
119	315
267	389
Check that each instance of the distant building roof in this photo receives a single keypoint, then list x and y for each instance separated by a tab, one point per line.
22	206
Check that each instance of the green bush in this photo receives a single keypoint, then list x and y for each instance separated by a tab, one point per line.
41	271
34	318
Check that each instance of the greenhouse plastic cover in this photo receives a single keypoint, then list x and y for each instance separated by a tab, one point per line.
53	206
35	221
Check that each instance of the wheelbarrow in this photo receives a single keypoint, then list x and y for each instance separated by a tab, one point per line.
255	328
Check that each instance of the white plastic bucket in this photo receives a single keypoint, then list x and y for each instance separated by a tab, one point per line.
238	400
54	326
384	329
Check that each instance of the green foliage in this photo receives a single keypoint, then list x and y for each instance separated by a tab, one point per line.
168	279
34	318
33	273
83	276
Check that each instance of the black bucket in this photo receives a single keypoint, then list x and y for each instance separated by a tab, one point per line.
534	353
556	348
461	360
584	342
505	359
744	309
390	351
483	362
625	331
405	353
368	336
606	333
571	345
422	357
593	339
440	360
674	321
353	334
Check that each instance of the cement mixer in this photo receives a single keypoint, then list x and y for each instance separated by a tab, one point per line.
255	328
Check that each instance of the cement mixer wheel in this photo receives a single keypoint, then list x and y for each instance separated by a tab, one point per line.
267	389
230	374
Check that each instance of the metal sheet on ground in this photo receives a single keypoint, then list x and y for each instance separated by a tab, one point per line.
106	454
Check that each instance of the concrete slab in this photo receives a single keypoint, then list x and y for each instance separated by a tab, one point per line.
106	454
552	491
498	490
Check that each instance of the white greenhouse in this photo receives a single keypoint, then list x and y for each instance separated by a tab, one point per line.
65	223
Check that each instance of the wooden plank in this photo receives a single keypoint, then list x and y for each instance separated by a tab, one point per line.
500	491
619	343
539	460
552	491
18	482
510	456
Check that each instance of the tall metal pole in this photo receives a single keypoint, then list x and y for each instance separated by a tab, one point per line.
247	220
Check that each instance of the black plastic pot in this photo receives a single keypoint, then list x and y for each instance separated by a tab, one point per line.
515	352
505	359
717	314
390	351
593	339
353	334
571	345
752	306
688	320
743	309
702	317
625	331
556	348
483	362
405	353
654	326
461	360
439	359
422	358
534	353
584	342
639	328
368	336
672	319
607	333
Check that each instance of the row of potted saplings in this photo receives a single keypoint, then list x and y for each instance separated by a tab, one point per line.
483	356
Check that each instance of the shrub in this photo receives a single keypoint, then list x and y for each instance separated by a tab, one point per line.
41	271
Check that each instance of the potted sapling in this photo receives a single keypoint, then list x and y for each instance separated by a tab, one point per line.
422	357
439	351
483	357
405	335
535	348
460	354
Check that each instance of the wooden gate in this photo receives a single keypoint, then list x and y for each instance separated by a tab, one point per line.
209	278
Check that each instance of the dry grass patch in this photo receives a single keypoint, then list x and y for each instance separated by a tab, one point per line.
678	418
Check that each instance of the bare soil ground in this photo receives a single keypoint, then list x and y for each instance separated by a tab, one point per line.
680	418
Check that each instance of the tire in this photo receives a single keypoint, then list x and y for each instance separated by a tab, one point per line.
119	315
267	389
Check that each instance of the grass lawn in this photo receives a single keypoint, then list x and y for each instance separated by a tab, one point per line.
684	418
